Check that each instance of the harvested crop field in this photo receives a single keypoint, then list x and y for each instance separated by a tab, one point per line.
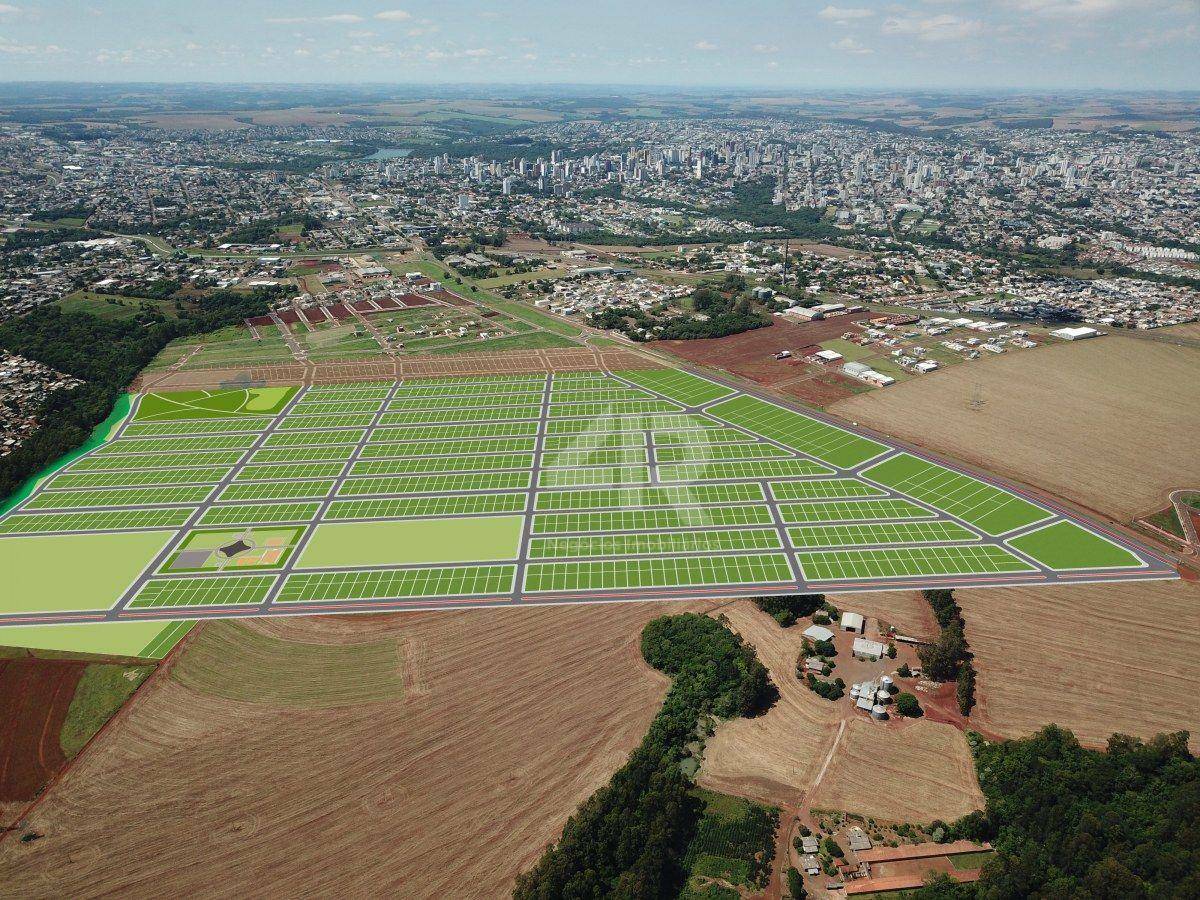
470	739
1095	658
895	772
1109	423
922	772
35	695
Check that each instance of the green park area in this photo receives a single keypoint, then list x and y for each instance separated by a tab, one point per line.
415	541
146	640
259	401
73	571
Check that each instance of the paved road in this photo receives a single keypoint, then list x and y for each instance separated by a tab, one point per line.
1155	567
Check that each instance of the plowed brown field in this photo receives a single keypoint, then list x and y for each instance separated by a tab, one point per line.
417	755
35	695
1095	658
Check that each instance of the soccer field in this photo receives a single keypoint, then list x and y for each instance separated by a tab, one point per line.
493	490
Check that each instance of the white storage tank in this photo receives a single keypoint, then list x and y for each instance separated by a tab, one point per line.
879	712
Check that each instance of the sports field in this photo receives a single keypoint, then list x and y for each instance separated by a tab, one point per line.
506	490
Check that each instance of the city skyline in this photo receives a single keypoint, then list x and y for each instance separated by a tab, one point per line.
853	44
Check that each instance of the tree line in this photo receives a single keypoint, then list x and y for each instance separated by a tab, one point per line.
630	838
106	355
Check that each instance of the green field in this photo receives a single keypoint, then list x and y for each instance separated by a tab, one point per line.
441	582
753	468
101	520
718	452
852	510
452	505
333	500
827	443
765	569
647	519
146	640
649	496
476	539
655	543
73	571
216	591
882	533
688	389
1064	545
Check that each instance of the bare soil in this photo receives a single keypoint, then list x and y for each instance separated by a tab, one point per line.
35	695
751	353
1109	423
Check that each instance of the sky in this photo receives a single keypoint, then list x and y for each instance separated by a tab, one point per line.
779	44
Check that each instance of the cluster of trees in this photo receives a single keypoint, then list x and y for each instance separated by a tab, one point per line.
1071	822
728	313
106	355
265	232
630	838
949	658
908	705
753	203
30	238
787	608
830	690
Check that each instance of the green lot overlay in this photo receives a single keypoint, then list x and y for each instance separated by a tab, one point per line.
650	483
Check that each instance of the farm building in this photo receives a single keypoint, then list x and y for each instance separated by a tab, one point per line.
818	633
864	647
852	621
858	839
1075	334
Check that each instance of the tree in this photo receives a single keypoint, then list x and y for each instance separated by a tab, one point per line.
965	690
787	608
908	706
796	884
833	848
941	659
904	671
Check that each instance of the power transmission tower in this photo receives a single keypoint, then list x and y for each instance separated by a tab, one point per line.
977	400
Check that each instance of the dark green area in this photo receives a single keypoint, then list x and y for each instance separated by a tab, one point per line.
106	354
1076	823
734	843
633	837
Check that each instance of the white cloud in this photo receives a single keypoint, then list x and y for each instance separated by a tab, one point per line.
766	48
1073	8
842	14
337	19
7	9
944	27
705	45
850	45
393	15
477	51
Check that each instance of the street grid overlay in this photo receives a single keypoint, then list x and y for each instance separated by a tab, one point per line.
507	490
